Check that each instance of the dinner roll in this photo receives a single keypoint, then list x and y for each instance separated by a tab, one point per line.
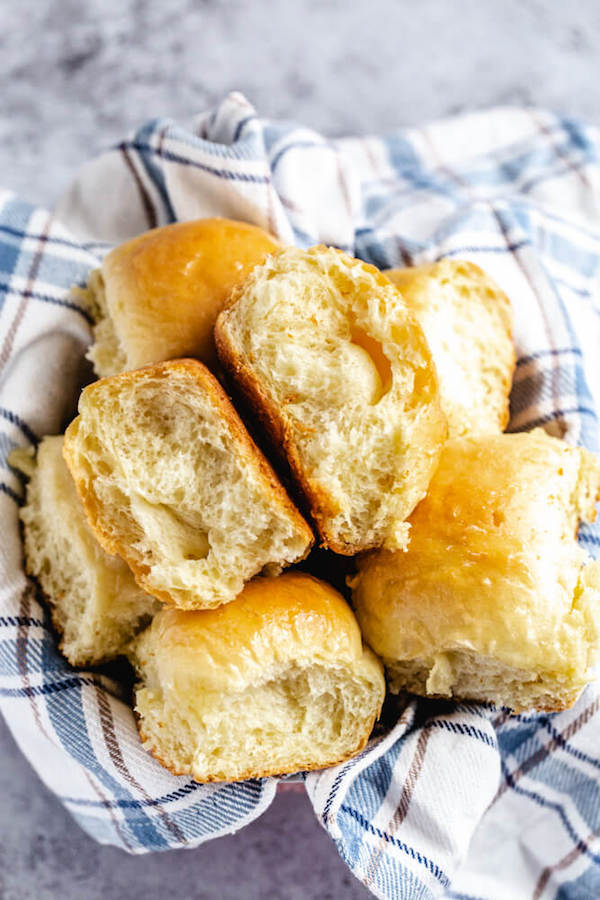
277	681
493	600
468	325
157	296
172	482
325	350
96	605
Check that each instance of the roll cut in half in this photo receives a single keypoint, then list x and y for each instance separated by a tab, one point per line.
326	352
277	681
96	605
156	297
493	600
171	481
467	321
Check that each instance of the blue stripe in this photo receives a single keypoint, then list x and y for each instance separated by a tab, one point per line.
154	171
555	807
540	354
226	174
14	419
295	145
510	247
463	728
457	896
557	414
240	127
580	292
47	238
457	251
20	622
390	839
563	169
334	787
172	797
51	687
6	489
66	713
47	298
565	745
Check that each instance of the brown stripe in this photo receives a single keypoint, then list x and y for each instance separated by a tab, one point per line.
343	183
554	387
144	195
33	271
405	255
403	804
271	212
547	132
581	847
442	167
107	805
500	719
374	162
412	777
21	654
114	750
541	754
22	639
554	370
290	205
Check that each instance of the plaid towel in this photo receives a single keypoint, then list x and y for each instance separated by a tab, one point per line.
455	801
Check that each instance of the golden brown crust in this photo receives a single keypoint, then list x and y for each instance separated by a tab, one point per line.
165	287
493	593
281	440
515	709
239	435
276	628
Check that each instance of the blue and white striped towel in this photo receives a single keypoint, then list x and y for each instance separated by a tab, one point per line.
455	801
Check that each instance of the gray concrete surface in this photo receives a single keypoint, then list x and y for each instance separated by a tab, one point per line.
45	856
78	75
75	76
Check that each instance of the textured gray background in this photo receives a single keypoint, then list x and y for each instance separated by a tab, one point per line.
75	76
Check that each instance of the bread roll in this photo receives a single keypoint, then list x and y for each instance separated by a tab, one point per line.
493	600
324	348
157	296
468	325
172	482
96	605
277	681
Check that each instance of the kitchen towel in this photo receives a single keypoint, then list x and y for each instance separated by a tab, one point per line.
454	800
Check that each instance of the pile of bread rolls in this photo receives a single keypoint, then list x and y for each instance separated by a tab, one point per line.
368	418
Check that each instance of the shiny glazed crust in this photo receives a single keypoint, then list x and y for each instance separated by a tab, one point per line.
163	290
189	660
493	599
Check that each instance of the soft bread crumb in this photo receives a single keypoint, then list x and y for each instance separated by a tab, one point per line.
277	681
96	605
467	321
172	482
493	599
325	350
107	353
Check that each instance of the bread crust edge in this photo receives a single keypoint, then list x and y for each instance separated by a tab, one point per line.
241	438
